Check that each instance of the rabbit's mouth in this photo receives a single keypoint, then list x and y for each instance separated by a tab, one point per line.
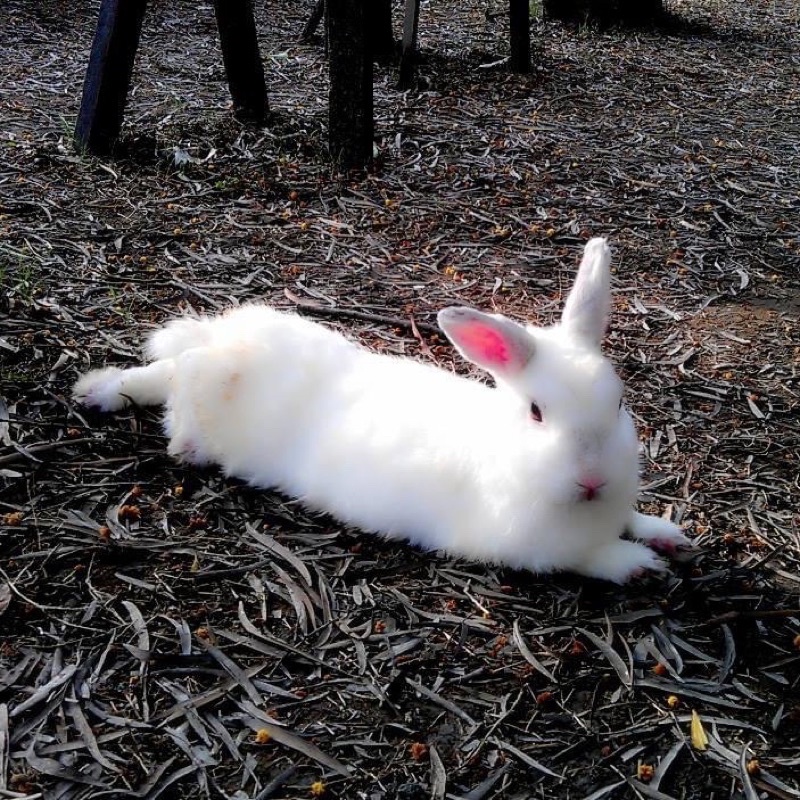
590	490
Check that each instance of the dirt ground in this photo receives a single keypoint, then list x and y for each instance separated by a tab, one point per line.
165	632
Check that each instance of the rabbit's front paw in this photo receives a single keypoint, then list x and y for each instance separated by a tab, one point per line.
658	533
620	561
100	389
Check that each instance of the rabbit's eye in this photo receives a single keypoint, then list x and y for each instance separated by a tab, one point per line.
536	412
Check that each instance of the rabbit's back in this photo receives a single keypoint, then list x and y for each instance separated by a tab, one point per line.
383	443
248	323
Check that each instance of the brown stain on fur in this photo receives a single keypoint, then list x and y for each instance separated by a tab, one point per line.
231	386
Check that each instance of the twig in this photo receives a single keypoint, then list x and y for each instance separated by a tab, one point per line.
350	313
773	613
44	447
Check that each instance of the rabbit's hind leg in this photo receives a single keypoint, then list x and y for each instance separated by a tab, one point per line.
112	388
186	420
186	440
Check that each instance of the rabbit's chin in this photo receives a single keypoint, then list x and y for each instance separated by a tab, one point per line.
606	515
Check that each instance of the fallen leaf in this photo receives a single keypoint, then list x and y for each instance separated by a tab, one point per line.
699	738
5	597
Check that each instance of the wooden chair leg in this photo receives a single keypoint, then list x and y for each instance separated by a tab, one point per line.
313	21
408	54
108	75
520	26
350	103
242	59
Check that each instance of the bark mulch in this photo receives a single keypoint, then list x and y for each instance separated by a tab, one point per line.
165	632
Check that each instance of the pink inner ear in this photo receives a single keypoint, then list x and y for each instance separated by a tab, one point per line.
484	343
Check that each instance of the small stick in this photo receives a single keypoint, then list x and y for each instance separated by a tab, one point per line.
774	613
351	313
44	447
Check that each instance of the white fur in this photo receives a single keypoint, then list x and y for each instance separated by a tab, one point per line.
409	450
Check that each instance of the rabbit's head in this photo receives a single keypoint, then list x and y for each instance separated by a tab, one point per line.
568	393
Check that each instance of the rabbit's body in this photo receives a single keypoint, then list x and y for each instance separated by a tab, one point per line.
404	448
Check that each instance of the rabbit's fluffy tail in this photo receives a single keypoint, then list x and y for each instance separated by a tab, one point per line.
112	388
177	336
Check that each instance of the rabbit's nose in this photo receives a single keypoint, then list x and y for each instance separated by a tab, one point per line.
590	488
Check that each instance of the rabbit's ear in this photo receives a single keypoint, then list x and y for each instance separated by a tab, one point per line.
589	302
495	343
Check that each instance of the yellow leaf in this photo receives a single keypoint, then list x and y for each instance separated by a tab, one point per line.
699	738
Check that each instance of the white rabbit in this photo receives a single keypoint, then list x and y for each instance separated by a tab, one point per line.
540	472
